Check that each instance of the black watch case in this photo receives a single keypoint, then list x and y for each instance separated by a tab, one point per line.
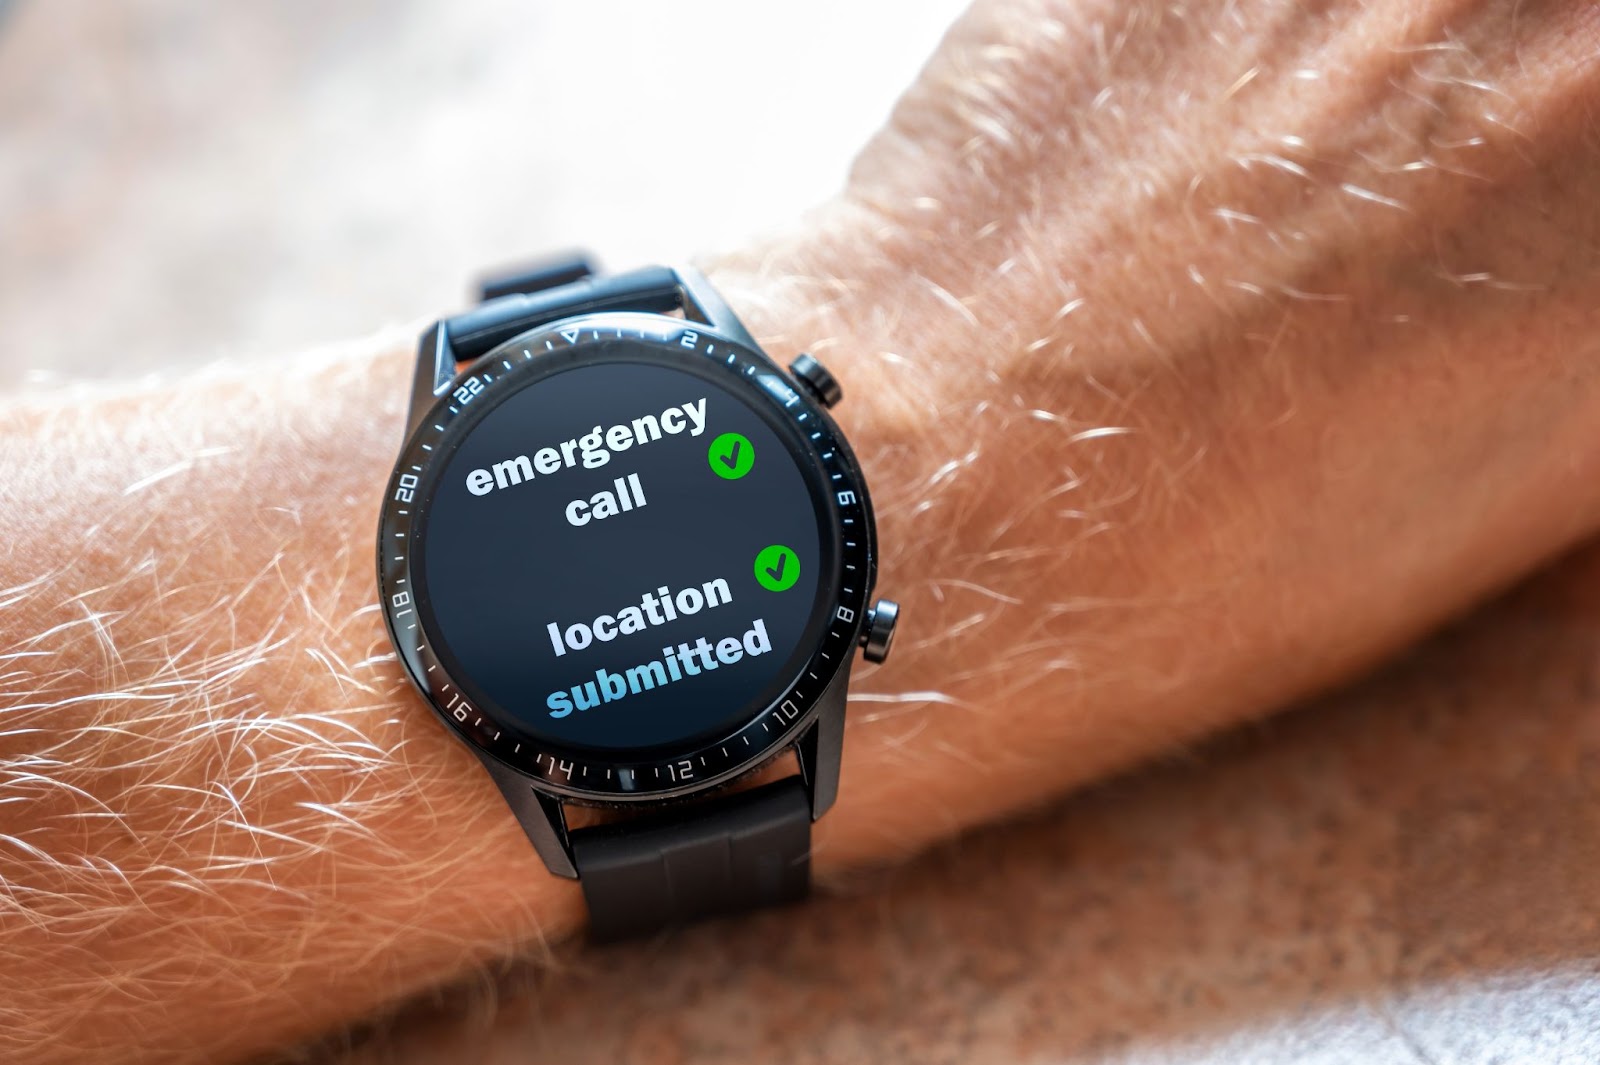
808	715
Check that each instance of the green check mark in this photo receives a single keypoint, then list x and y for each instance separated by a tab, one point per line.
777	568
730	456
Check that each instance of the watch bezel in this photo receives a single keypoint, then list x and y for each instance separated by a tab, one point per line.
767	729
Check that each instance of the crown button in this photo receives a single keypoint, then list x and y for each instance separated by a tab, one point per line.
816	379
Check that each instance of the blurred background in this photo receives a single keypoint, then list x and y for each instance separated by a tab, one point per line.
1404	872
182	179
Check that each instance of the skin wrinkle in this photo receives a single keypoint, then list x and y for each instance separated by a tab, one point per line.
1244	285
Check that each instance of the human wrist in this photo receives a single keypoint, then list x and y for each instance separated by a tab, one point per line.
233	788
268	755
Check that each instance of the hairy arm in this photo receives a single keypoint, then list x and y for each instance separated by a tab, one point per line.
1196	356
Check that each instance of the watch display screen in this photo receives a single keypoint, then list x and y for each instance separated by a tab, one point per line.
621	556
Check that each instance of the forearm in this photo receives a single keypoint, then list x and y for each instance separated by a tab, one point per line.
1141	468
234	805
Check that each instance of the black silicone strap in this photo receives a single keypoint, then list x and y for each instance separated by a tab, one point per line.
654	289
737	852
536	276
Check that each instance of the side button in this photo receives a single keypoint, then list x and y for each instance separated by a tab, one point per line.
816	379
878	636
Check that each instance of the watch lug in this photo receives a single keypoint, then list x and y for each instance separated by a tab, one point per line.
705	303
820	748
436	368
541	816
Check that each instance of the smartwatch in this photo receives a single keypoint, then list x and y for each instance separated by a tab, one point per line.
628	559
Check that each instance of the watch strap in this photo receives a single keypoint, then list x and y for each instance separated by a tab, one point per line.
741	851
475	332
536	276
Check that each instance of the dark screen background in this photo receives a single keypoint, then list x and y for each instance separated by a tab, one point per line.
497	568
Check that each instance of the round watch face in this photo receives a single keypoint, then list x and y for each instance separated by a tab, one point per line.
625	555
